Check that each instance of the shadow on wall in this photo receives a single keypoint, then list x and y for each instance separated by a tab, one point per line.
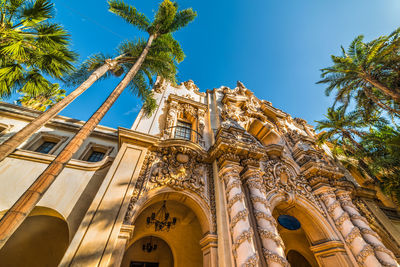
41	240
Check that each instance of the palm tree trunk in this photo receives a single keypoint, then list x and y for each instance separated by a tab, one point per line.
381	87
13	142
383	106
354	142
25	204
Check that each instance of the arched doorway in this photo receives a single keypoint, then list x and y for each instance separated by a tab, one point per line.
297	244
315	239
297	260
41	240
148	251
183	239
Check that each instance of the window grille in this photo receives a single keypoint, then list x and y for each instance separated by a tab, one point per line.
45	147
183	130
95	156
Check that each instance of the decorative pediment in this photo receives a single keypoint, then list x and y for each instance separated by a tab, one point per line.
235	141
241	108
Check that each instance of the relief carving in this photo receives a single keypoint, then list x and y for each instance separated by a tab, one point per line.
241	107
179	168
278	176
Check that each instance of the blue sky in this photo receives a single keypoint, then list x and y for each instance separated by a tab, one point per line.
276	48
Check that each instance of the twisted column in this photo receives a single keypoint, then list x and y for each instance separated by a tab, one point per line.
384	255
273	246
241	231
362	251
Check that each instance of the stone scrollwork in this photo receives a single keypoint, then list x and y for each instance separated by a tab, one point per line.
278	176
364	253
271	256
241	107
179	168
252	261
244	236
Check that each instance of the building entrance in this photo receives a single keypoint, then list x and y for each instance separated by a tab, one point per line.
143	264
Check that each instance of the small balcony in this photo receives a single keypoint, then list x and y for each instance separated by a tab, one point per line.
186	133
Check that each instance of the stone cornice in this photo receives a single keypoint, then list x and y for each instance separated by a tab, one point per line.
72	164
313	169
185	100
365	192
134	137
152	142
328	247
210	240
59	122
225	145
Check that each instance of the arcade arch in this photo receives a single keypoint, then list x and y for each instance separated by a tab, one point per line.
315	241
193	223
41	240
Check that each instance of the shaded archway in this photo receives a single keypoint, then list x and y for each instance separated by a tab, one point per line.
138	255
41	240
315	240
297	244
297	260
184	239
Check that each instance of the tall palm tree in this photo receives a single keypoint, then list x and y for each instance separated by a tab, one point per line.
94	68
31	47
343	132
167	20
367	67
342	126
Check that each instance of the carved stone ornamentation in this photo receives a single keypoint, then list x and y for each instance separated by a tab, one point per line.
241	107
139	187
278	176
181	169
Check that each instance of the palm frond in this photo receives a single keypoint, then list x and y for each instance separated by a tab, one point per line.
129	14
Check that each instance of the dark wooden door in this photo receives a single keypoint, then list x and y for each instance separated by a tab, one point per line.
143	264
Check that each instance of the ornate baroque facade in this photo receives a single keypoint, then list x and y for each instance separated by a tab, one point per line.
244	182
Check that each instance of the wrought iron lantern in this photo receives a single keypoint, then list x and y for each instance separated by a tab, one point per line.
149	247
161	219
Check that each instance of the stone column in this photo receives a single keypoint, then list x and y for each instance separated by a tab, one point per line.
362	251
124	237
244	250
209	245
273	247
384	256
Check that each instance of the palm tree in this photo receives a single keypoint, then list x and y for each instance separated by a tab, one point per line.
341	126
368	67
43	101
94	68
342	132
167	20
31	47
97	67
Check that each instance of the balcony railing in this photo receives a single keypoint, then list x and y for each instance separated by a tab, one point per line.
186	133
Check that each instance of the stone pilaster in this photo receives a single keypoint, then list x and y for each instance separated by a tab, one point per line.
362	251
273	247
241	231
384	256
